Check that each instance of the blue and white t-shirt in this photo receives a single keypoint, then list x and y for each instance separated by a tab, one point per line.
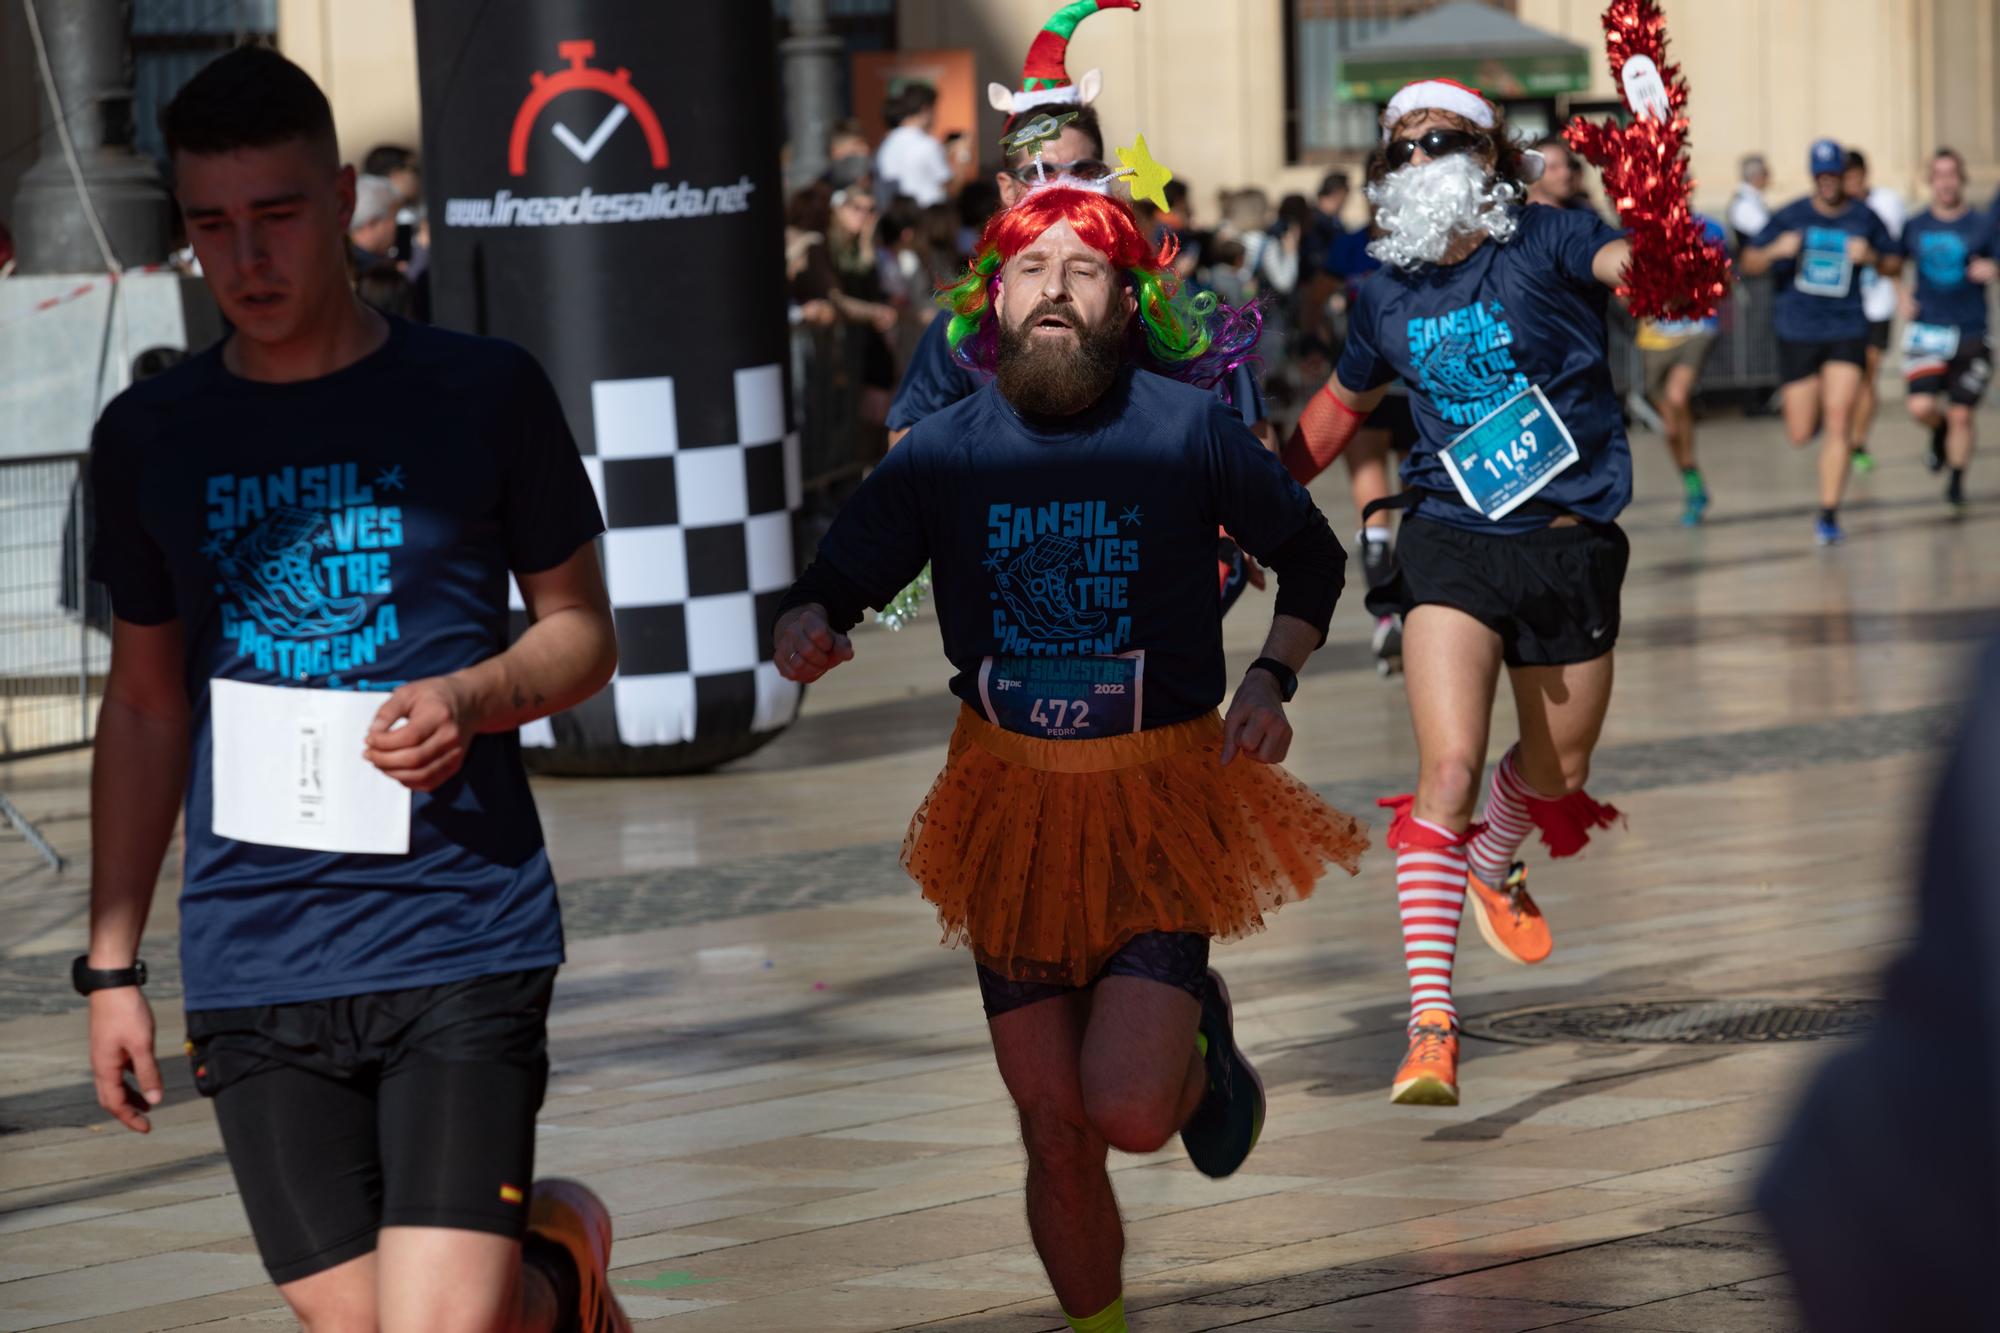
1467	337
1940	252
352	532
1818	294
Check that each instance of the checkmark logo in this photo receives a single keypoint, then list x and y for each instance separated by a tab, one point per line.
585	149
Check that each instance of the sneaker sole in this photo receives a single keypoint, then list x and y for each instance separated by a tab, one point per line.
1424	1091
1492	935
584	1202
1241	1066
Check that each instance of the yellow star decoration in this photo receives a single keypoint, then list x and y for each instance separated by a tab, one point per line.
1149	178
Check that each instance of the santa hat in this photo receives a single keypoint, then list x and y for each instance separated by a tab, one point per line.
1453	96
1438	95
1044	77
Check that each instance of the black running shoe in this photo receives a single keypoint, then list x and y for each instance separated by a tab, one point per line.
1936	460
1388	645
1225	1125
1378	561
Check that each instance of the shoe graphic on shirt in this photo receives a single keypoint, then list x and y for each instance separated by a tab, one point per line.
1035	586
271	570
1449	367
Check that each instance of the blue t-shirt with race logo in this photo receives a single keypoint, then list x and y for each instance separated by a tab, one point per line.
1468	337
1079	557
351	532
1828	307
934	380
1940	250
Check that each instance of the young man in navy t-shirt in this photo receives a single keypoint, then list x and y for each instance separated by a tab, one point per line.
307	533
1815	249
1946	358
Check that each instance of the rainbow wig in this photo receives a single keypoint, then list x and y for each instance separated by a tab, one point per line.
1197	339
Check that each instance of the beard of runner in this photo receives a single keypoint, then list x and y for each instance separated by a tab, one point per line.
1044	377
1423	210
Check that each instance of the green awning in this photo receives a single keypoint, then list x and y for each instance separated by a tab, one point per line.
1475	44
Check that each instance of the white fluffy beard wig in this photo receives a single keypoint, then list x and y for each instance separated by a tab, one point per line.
1423	209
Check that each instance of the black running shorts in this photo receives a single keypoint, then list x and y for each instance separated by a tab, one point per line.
1802	361
1551	595
411	1108
1878	334
1172	958
1963	380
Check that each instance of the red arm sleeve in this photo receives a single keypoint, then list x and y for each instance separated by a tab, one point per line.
1324	429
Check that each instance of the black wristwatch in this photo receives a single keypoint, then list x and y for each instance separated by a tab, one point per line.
1288	679
87	978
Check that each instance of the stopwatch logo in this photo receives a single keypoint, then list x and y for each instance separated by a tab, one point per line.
580	76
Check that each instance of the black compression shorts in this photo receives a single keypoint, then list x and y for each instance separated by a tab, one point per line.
1172	958
1802	361
411	1108
1962	380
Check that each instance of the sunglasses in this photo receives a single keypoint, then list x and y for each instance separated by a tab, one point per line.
1435	143
1084	168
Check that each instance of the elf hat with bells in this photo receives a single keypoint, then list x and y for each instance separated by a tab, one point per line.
1044	79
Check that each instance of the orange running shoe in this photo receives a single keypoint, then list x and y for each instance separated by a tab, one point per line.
568	1213
1428	1075
1508	917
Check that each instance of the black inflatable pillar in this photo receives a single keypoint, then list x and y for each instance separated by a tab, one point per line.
602	184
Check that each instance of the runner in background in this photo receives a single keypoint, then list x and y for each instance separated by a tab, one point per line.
1812	247
1878	301
1947	360
1674	353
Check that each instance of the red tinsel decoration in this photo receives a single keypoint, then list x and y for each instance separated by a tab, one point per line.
1674	273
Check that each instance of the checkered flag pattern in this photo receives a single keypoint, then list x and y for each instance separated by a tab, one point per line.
698	494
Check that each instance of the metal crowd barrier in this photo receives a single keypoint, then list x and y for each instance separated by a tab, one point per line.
1745	358
54	624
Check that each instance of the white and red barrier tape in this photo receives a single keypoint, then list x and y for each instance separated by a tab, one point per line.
77	293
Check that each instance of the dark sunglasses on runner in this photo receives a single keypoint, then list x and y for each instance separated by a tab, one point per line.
1435	143
1084	168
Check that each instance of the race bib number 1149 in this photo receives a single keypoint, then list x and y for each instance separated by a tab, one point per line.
1518	448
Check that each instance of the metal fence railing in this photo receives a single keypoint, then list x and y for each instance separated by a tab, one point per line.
52	659
54	623
1745	356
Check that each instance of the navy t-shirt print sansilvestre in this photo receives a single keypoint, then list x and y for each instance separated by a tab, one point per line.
1469	336
352	533
1063	551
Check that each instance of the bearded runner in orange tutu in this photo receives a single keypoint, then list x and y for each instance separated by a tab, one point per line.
1097	823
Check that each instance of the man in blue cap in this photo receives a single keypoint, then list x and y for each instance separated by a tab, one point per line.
1814	248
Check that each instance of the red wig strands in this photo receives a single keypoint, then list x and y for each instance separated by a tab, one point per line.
1193	339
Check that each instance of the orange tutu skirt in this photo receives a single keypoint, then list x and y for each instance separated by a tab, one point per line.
1047	857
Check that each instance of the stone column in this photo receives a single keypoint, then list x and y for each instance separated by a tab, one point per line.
90	53
812	89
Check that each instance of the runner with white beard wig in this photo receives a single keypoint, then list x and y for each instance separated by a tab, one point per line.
1492	313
